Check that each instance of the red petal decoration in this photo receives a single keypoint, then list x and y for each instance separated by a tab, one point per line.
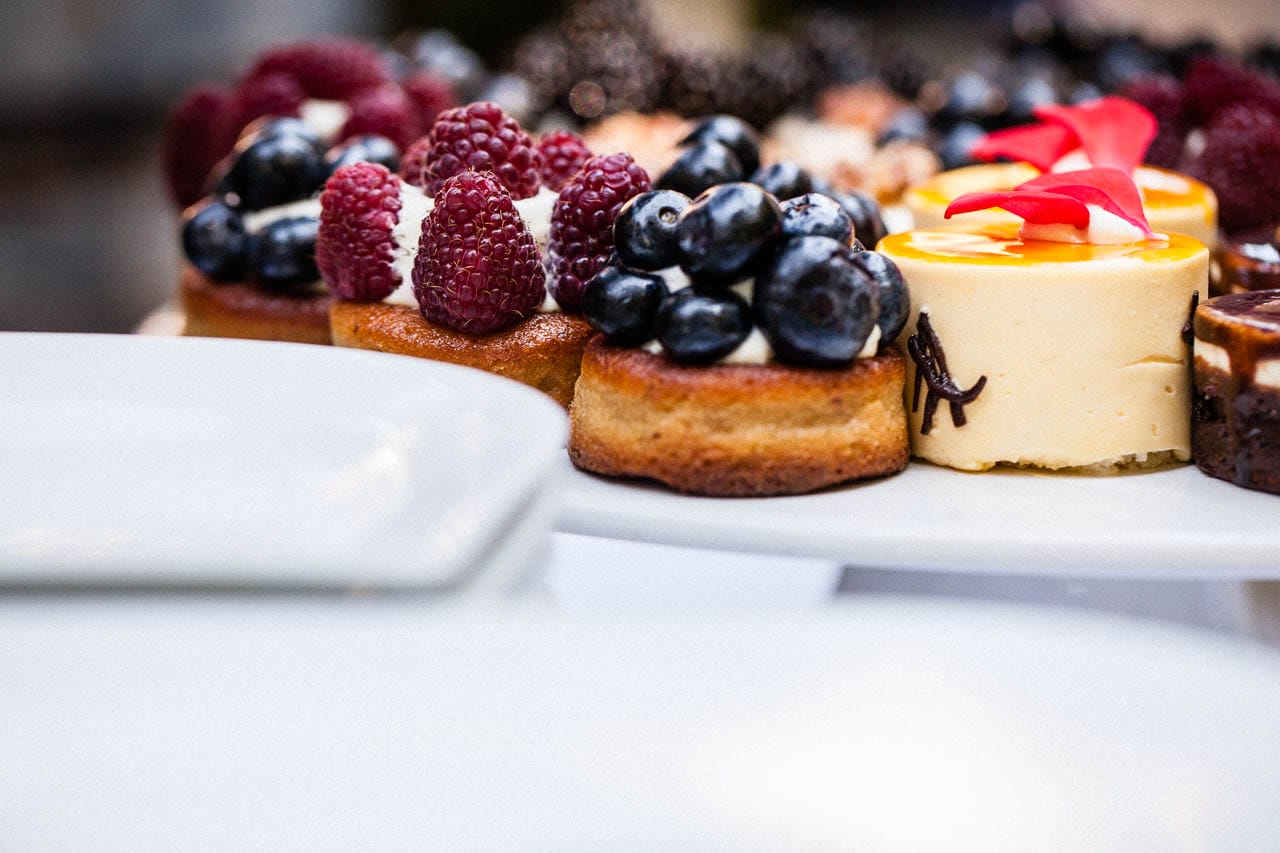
1114	132
1040	207
1041	145
1110	189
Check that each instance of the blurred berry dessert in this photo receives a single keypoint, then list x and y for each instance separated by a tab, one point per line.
746	342
1056	345
1235	427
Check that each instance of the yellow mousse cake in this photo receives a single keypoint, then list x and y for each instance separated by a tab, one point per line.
1076	348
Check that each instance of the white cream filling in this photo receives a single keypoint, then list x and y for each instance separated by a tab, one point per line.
1155	179
324	117
256	220
1267	372
1105	228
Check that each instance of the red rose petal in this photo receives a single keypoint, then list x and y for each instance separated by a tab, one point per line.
1041	145
1110	189
1114	132
1034	206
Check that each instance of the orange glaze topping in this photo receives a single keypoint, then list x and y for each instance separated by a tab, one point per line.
999	245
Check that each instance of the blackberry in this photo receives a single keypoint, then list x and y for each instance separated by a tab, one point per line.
839	44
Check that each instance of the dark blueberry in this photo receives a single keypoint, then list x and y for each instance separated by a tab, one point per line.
644	233
784	179
956	148
815	303
895	299
1122	59
727	231
740	137
971	97
814	215
439	52
363	149
1025	96
273	170
623	304
284	252
907	123
868	227
214	240
274	127
701	167
699	328
1083	92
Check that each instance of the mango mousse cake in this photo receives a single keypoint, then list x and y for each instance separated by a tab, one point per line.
1109	132
1055	345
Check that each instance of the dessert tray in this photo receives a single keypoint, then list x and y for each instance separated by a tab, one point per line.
1174	522
147	460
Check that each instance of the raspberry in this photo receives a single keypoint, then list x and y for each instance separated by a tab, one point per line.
1241	161
334	69
359	208
431	95
582	223
1215	82
477	268
201	131
563	153
413	162
1163	96
481	137
273	94
385	111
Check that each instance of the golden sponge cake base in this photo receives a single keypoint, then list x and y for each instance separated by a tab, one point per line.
737	430
241	310
543	351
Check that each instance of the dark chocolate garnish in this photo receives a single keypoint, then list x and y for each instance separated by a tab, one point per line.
931	369
1188	328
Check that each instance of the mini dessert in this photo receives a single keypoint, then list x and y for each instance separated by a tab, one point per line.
1106	133
1235	422
446	260
746	348
1246	264
1058	346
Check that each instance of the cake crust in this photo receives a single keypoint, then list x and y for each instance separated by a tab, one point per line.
737	430
543	351
242	310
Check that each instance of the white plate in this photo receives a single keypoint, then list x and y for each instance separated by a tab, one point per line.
1170	523
320	724
199	461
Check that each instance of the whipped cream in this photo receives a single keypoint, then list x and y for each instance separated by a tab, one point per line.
256	220
1104	229
326	118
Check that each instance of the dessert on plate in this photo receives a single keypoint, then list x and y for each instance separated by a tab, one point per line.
1235	421
1246	264
1054	345
1109	132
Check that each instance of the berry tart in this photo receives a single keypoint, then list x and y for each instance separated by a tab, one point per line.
1057	345
1235	420
477	251
1109	132
745	348
247	160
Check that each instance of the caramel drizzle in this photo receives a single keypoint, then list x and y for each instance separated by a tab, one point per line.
931	369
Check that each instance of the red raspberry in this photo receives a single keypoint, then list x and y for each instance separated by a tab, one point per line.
1162	95
477	268
273	94
431	95
563	154
582	223
481	137
333	68
359	208
1215	82
413	162
201	131
385	111
1241	161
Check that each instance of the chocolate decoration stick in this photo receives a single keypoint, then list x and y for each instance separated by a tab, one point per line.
931	367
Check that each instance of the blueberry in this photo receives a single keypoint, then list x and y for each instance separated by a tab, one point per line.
214	240
273	170
740	137
784	179
370	148
623	304
645	231
956	148
815	303
726	231
815	215
699	328
906	123
868	227
274	127
1027	94
284	252
895	299
970	97
700	168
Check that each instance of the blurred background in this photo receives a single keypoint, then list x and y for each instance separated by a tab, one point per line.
88	234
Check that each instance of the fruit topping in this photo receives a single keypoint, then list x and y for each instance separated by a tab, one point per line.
331	69
1113	133
200	132
644	233
1162	95
895	299
816	215
273	166
623	304
815	304
284	252
272	94
355	248
868	228
385	111
1241	161
701	167
1064	198
214	240
479	137
732	132
581	240
477	268
431	95
363	149
1041	145
699	328
784	180
563	154
727	231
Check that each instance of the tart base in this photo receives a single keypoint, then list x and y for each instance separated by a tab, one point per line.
543	351
241	310
737	430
